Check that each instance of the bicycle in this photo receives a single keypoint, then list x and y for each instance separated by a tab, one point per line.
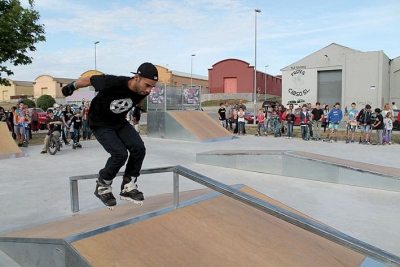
53	143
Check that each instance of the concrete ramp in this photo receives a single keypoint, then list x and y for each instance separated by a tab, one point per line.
186	125
211	230
8	147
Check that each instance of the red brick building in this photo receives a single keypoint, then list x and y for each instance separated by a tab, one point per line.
237	76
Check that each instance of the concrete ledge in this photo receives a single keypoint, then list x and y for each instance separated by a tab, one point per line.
305	165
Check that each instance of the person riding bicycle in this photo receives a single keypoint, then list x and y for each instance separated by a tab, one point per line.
54	126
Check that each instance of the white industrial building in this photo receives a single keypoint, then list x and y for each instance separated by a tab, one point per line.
340	74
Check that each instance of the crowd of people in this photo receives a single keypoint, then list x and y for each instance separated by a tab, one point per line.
277	120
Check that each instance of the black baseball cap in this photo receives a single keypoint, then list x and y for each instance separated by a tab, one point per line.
147	70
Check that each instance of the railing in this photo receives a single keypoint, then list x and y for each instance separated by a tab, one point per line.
304	223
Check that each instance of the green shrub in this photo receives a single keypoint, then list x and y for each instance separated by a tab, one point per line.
45	101
29	103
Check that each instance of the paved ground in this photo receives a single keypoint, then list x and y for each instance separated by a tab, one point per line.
35	189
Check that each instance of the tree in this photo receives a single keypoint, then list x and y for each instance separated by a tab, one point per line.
45	101
19	32
29	103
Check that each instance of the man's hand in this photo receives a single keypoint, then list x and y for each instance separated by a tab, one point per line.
68	89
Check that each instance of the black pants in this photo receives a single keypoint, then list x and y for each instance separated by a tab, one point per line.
118	142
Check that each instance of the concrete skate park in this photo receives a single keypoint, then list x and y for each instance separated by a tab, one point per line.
212	200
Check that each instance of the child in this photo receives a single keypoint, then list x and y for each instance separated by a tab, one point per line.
304	120
290	118
364	119
275	123
378	126
388	122
222	115
335	116
351	122
261	119
76	123
240	116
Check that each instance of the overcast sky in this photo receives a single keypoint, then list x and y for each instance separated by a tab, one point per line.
168	32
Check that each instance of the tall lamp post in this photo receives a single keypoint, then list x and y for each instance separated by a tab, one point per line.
95	56
255	64
191	70
265	85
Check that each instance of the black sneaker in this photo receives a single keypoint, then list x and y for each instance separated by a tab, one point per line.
104	193
19	144
129	192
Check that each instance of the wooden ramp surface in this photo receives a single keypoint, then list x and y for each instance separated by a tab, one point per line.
216	232
8	147
81	223
200	124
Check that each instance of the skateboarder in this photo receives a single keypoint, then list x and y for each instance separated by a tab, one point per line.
117	95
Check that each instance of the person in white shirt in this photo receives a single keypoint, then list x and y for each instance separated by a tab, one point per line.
394	105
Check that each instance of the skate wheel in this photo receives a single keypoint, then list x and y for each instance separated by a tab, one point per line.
111	208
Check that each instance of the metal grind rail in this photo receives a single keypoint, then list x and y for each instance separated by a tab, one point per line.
304	223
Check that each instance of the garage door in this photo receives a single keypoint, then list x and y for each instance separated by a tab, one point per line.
230	85
330	87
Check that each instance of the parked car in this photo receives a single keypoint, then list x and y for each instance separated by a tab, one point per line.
248	117
291	102
266	102
396	124
42	117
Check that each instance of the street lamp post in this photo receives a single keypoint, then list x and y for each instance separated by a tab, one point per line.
265	86
191	70
95	56
255	64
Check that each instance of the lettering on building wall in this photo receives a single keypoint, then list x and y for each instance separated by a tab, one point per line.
363	103
298	93
298	87
298	67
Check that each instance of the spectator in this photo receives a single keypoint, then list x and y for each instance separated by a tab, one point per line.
54	126
19	124
66	114
35	120
28	127
10	122
85	124
222	115
378	126
275	122
388	122
241	105
351	122
304	122
334	118
232	117
240	118
76	125
326	113
386	109
394	105
268	113
3	117
364	119
290	118
260	122
228	122
317	116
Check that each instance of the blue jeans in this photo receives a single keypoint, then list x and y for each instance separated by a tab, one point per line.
290	130
261	126
241	127
304	131
118	142
389	133
86	132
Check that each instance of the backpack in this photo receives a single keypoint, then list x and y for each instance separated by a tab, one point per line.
385	136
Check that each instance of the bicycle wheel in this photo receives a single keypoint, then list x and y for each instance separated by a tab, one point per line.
52	147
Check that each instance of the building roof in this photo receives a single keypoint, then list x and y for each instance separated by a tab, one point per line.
332	44
23	83
187	75
64	80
